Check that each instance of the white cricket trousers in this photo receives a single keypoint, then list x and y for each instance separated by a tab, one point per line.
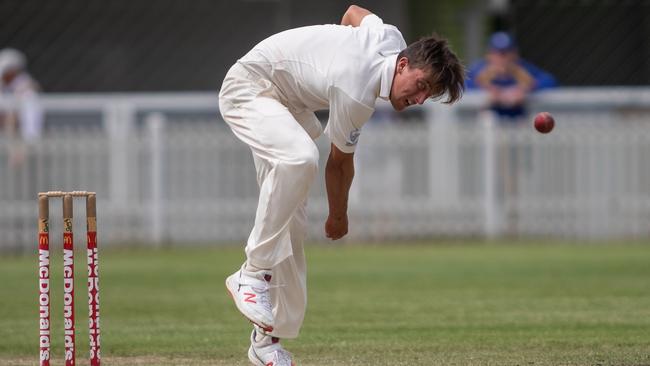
286	160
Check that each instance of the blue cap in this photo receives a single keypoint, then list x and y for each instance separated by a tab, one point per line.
502	41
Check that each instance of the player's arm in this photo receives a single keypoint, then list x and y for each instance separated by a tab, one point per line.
339	172
354	15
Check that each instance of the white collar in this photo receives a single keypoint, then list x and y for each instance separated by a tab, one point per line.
387	75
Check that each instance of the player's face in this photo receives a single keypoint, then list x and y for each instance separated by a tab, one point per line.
411	85
501	61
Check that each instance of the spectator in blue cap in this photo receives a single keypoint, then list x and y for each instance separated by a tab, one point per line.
507	78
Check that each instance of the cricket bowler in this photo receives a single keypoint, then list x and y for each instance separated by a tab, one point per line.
268	99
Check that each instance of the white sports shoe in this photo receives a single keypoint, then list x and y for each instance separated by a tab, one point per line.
265	350
250	290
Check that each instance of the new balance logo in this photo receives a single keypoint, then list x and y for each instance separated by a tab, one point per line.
250	297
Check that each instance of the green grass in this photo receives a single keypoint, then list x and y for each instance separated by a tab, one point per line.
402	304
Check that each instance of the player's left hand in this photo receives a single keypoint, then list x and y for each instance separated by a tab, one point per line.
336	227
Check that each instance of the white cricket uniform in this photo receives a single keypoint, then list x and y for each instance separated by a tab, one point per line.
30	112
268	99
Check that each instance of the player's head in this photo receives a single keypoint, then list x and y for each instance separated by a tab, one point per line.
12	62
427	69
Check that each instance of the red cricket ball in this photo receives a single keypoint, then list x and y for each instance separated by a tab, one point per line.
544	122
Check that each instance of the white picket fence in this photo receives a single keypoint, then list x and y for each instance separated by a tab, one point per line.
167	169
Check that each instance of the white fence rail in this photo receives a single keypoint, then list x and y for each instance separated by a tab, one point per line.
167	169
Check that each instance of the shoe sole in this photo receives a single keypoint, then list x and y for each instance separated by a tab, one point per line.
256	361
266	327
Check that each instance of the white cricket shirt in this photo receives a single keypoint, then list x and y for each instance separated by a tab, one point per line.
340	68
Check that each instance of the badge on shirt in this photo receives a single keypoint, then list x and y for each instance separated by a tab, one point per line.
353	138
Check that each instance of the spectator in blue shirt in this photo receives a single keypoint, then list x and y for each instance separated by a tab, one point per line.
507	78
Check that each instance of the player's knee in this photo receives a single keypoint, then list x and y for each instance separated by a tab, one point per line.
305	162
308	160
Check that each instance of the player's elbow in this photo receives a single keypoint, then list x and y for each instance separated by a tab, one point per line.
354	15
353	9
347	16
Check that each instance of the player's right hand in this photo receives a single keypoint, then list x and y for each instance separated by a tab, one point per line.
336	227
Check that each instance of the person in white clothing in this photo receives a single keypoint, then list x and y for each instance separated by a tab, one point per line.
268	99
22	115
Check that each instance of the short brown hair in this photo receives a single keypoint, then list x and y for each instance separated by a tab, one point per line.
447	72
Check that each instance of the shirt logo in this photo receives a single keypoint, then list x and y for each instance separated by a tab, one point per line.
353	138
